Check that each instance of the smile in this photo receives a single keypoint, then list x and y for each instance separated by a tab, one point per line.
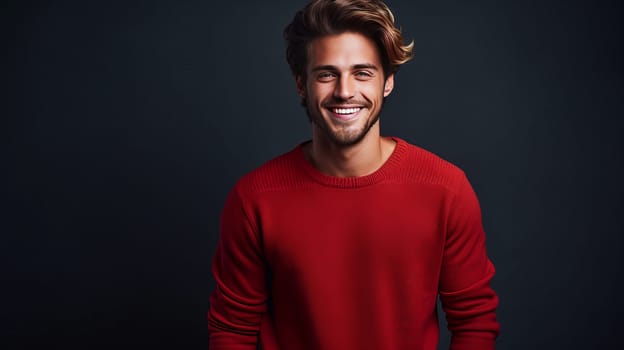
346	111
345	114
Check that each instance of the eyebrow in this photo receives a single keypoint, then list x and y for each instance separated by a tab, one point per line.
355	66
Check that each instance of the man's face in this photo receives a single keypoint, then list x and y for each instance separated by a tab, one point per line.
345	87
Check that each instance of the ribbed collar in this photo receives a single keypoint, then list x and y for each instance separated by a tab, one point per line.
391	166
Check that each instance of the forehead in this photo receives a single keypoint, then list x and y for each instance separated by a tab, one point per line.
343	50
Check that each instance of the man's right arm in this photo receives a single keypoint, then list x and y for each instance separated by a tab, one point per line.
239	299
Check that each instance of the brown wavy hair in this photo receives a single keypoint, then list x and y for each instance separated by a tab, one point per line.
371	18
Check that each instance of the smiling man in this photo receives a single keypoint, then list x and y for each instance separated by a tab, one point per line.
347	241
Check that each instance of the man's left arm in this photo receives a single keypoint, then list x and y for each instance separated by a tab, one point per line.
467	298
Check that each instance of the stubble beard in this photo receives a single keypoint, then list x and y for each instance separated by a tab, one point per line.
343	138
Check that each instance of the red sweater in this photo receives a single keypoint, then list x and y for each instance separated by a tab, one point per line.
310	261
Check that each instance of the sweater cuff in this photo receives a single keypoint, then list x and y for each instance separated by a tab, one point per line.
471	342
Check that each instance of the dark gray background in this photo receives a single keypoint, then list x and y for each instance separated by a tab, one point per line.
128	122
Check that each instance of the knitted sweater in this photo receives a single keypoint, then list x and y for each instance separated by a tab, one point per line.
311	261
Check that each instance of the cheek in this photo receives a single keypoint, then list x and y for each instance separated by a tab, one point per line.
373	94
320	92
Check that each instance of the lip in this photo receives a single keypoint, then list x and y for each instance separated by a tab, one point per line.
343	116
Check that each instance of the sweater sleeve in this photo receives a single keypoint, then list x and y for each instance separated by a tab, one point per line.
240	297
467	298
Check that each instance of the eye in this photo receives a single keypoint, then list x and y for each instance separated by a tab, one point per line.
326	76
363	75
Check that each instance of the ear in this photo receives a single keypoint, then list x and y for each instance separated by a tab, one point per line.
389	85
300	86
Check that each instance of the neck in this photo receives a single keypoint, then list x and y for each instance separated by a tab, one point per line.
360	159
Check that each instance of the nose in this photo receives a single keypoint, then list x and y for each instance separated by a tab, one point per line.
344	88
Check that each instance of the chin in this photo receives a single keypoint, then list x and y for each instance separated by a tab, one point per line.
341	133
348	138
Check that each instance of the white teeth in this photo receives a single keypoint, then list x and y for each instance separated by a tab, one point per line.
346	110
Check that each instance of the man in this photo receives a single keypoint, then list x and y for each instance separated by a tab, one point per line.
346	241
